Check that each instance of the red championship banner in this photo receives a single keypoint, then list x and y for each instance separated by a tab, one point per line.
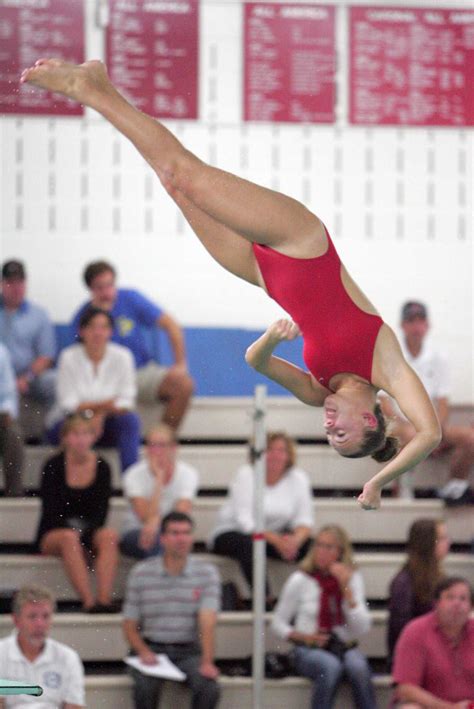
289	63
411	66
152	55
29	30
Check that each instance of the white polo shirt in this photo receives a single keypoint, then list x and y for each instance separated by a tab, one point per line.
432	369
58	670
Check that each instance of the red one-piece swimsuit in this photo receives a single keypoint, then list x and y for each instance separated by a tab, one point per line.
338	336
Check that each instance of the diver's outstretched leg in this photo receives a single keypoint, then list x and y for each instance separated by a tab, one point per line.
256	213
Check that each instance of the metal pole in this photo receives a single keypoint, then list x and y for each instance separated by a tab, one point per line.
259	558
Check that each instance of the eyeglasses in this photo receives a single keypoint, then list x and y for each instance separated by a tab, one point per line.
159	444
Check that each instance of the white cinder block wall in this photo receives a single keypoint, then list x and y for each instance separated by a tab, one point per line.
398	202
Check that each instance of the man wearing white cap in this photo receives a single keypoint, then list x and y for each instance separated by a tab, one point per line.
432	369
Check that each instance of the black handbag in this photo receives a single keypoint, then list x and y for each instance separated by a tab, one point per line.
338	647
277	666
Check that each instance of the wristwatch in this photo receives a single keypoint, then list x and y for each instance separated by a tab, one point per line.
88	414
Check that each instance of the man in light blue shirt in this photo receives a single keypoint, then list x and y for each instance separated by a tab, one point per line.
28	334
11	444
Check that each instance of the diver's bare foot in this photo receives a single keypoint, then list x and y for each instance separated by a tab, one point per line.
84	83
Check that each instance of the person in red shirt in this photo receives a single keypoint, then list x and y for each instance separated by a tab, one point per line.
274	242
434	656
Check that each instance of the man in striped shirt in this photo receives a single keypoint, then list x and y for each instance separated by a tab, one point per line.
171	607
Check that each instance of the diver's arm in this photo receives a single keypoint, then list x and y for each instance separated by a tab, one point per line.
260	356
416	405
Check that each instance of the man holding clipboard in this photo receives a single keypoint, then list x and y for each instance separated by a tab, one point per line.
171	609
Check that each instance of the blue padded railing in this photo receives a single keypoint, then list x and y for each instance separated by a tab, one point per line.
216	358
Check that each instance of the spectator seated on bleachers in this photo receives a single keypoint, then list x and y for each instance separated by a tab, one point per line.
11	443
432	368
412	589
288	513
97	377
322	610
434	656
75	491
132	312
171	607
29	655
155	486
28	334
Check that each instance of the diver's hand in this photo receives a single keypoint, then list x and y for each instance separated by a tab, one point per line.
370	497
283	329
259	354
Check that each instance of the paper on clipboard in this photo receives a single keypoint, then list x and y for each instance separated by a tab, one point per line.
163	668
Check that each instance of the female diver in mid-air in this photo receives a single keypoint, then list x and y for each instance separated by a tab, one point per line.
273	241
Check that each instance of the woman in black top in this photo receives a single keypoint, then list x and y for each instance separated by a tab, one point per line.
75	492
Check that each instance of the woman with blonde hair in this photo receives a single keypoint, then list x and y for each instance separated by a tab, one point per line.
75	491
322	610
158	484
413	588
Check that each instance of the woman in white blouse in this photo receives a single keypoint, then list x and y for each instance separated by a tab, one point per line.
323	612
288	513
97	377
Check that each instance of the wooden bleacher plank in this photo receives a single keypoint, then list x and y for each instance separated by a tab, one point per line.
221	418
390	524
291	693
217	465
230	418
376	568
100	637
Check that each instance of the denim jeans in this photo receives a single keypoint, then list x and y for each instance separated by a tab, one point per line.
205	692
327	671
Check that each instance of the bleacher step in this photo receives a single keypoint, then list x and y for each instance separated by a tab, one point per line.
217	465
230	418
390	524
100	637
291	693
376	568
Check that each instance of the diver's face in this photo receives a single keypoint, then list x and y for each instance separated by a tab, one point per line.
345	423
